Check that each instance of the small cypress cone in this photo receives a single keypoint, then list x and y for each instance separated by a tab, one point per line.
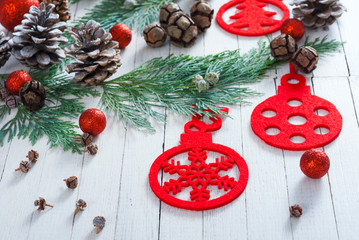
4	49
97	56
36	41
317	13
62	8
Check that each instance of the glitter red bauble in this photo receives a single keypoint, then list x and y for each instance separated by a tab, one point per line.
314	163
12	11
92	121
16	80
121	34
294	28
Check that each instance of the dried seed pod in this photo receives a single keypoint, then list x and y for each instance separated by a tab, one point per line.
201	84
99	223
182	30
41	204
33	95
33	156
11	102
283	47
24	167
86	139
92	149
80	205
295	211
155	35
305	59
72	182
202	15
167	10
4	93
212	78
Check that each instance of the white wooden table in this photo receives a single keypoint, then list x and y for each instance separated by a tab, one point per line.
115	181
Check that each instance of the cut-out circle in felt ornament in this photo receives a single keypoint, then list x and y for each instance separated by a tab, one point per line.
252	18
314	111
198	173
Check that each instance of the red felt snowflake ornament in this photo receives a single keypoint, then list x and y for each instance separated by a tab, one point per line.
252	19
199	174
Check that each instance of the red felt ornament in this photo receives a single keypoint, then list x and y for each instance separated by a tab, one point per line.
309	108
16	80
252	19
314	163
121	34
92	121
12	11
294	28
198	173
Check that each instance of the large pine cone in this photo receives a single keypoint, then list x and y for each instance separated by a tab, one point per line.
36	41
182	30
97	56
317	13
62	8
167	10
4	49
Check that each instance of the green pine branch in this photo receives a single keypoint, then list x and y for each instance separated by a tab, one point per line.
110	12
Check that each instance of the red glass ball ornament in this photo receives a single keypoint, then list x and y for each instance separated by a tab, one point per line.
12	12
92	121
294	28
314	163
121	34
16	80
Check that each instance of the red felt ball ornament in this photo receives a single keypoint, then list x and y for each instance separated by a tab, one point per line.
16	80
121	34
314	163
294	28
12	11
92	121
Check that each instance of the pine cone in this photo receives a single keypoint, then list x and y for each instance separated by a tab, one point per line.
4	49
317	13
36	41
62	8
182	30
98	57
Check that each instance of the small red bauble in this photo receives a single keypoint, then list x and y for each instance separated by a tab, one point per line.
294	28
92	121
15	81
121	34
314	163
12	11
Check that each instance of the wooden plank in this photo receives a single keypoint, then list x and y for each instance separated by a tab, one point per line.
343	154
354	86
138	206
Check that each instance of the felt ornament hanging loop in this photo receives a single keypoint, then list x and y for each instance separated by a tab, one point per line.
252	19
198	172
309	108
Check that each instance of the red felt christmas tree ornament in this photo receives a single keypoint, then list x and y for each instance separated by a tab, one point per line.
121	34
294	28
252	19
314	163
308	108
92	121
200	170
12	11
16	80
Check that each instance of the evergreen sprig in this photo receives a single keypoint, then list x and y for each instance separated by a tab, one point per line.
324	46
110	12
63	101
